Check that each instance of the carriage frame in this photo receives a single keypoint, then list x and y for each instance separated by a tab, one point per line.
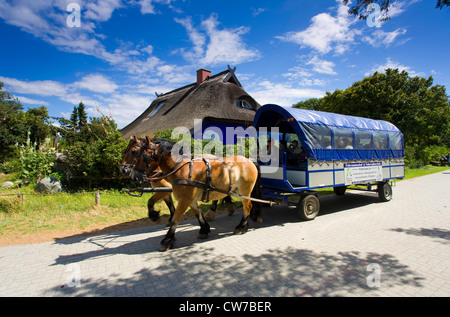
371	162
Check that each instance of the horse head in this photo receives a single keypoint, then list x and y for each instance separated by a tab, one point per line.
131	153
145	161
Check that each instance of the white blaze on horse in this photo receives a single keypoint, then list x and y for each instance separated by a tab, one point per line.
200	179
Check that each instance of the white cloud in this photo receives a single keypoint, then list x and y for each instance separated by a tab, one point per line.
29	101
322	66
393	65
100	10
97	83
214	46
46	19
381	38
148	7
398	7
326	33
115	104
283	94
258	11
40	88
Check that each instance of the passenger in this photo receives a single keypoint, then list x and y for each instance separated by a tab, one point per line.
272	152
377	145
270	146
348	144
294	148
295	154
326	143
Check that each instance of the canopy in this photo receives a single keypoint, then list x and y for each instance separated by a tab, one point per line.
329	136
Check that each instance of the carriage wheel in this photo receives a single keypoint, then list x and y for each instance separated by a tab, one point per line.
308	207
385	191
340	190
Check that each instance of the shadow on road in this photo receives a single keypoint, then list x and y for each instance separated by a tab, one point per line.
283	272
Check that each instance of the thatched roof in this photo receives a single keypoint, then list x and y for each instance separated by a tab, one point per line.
215	99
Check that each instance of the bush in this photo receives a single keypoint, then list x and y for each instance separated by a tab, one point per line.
417	157
97	159
35	163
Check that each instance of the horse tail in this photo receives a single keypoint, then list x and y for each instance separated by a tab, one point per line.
256	211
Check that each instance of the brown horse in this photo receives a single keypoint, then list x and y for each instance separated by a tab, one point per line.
234	174
131	153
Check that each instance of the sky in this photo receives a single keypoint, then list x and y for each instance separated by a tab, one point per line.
114	55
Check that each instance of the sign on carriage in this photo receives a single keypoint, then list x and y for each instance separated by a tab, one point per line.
357	173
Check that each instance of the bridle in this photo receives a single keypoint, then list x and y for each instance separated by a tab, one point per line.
134	153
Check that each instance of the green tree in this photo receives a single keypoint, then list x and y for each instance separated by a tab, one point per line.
416	106
74	119
309	104
82	116
38	122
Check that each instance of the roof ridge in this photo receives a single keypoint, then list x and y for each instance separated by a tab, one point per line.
193	84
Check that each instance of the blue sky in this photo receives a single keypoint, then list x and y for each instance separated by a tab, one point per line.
285	51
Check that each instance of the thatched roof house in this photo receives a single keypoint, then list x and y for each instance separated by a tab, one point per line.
219	101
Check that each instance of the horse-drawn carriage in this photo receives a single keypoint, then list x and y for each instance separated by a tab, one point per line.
334	151
337	151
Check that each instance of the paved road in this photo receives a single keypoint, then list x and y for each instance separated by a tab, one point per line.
358	246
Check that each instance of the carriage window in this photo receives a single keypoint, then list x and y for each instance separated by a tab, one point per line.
395	141
343	139
318	136
363	140
380	141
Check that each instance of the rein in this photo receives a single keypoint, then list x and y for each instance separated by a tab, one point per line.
175	168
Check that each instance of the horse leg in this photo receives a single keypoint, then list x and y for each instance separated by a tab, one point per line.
169	239
230	205
211	214
169	202
242	227
204	226
152	213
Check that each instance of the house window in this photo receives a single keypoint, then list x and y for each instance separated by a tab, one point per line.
243	104
158	107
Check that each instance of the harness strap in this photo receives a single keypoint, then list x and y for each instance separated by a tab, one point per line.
208	185
175	169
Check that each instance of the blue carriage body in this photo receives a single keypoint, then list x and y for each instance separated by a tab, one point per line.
339	150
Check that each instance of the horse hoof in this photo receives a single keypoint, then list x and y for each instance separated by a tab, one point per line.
166	244
240	231
202	236
164	247
153	215
230	212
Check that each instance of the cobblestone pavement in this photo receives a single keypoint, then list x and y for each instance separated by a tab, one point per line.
358	246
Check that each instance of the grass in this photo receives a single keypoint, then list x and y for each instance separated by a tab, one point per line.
423	171
74	214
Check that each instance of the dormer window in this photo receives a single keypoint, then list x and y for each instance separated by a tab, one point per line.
158	107
243	104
